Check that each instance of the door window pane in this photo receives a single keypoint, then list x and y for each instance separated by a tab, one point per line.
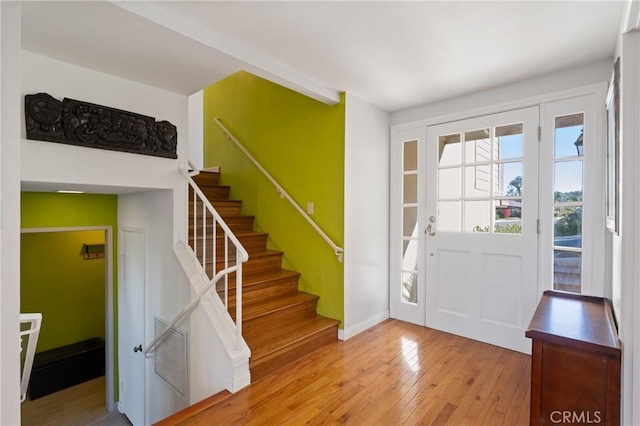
477	181
477	146
568	135
568	181
410	156
567	271
410	254
450	150
449	215
477	216
410	189
509	141
409	221
508	217
409	287
509	179
449	183
567	227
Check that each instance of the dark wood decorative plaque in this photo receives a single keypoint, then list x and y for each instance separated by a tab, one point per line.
95	126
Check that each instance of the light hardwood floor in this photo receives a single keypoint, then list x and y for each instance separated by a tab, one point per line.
80	405
395	373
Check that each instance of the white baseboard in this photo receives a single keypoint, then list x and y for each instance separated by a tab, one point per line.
349	332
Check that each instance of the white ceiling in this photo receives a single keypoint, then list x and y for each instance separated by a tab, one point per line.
392	54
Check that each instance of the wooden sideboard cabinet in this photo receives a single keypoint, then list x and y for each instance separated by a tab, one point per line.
575	365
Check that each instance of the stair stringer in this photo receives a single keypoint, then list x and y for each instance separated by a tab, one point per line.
231	367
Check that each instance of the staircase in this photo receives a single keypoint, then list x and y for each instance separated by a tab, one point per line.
279	322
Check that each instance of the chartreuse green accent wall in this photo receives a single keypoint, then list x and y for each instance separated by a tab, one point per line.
53	210
56	281
300	142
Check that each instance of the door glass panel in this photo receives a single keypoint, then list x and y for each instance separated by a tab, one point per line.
409	221
410	156
477	181
568	199
449	183
477	146
509	141
568	135
410	254
410	189
567	227
409	287
568	181
508	216
450	150
476	216
449	216
509	179
567	271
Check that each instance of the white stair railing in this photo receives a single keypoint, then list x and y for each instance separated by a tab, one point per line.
337	250
217	262
34	321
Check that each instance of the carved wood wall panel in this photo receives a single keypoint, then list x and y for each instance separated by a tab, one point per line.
95	126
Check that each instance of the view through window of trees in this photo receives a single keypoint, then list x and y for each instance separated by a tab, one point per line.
568	202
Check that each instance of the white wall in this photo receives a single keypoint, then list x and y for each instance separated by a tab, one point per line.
9	212
572	78
366	216
53	162
167	289
196	129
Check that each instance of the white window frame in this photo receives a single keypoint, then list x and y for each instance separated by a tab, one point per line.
593	202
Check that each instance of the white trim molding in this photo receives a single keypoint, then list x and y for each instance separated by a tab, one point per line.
358	328
629	315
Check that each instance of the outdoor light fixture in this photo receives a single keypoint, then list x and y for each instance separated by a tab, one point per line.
578	143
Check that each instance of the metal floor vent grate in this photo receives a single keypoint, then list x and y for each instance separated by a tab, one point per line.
171	358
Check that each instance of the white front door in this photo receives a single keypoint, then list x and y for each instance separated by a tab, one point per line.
481	212
131	326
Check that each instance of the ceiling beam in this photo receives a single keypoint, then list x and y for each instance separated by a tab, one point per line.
256	62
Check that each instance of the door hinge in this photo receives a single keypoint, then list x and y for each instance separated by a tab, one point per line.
539	133
538	226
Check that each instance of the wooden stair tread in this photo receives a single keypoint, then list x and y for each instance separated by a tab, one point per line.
245	234
225	201
237	217
256	255
195	409
220	235
206	178
262	277
277	338
252	311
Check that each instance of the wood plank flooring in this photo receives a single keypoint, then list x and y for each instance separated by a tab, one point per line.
395	373
80	405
